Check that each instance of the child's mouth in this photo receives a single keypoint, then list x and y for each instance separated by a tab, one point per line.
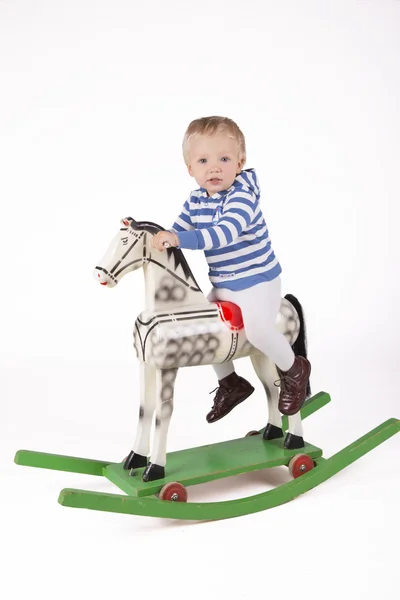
215	180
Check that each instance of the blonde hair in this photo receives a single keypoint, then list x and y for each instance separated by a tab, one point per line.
213	126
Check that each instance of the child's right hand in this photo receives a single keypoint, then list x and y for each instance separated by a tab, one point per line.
163	237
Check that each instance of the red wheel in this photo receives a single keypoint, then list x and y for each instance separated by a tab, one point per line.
253	432
175	492
300	464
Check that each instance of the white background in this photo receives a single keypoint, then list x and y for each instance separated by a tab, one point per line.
94	100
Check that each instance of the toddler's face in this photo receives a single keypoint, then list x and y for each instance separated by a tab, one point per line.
214	161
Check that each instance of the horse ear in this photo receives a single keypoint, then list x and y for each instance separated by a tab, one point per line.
128	221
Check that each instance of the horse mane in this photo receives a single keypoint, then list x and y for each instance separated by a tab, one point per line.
179	258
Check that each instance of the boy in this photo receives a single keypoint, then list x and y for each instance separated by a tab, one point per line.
223	217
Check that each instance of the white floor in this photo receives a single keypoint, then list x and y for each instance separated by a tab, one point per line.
95	98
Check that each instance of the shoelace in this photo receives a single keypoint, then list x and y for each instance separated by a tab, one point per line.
285	382
220	393
216	397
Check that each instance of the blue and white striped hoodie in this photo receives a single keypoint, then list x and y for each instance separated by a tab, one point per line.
229	226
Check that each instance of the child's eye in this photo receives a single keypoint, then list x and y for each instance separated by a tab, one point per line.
225	159
202	160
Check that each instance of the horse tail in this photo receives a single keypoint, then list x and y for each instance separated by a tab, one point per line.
300	345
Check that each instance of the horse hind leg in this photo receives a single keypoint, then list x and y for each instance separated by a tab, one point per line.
164	395
267	374
137	458
294	437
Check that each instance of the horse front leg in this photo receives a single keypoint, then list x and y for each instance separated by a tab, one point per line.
164	395
138	456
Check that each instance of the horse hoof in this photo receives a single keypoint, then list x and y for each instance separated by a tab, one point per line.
153	472
272	432
292	442
135	461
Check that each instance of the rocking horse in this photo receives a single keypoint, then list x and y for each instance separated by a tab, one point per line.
181	328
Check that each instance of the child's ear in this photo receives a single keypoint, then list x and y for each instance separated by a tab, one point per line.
189	168
240	166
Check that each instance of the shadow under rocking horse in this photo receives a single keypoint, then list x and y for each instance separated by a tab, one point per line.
181	328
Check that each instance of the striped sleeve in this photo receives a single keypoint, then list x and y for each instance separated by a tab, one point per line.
183	222
239	212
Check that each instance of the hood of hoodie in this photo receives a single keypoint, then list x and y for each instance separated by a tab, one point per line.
248	179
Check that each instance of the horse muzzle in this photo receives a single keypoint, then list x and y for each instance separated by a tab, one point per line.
103	277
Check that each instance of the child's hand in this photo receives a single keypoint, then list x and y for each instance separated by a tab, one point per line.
163	237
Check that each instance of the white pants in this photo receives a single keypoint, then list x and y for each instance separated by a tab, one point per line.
260	305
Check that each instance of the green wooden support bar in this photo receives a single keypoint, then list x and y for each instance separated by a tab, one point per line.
59	462
233	508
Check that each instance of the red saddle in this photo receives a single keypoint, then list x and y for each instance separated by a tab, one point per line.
230	314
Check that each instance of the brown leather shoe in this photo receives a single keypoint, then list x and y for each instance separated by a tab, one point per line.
232	390
293	384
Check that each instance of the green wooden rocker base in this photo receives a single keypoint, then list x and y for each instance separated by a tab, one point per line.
207	463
